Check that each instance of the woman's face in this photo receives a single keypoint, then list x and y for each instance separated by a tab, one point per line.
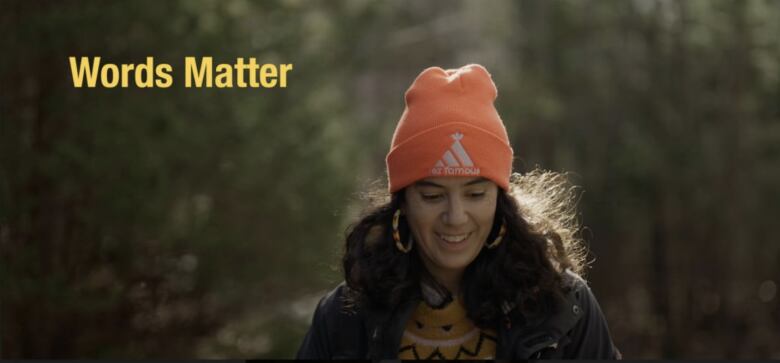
450	219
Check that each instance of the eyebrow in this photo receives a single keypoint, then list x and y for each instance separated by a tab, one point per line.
425	183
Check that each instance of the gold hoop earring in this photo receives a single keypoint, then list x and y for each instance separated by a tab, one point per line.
499	238
397	234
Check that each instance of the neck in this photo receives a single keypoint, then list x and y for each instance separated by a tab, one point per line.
450	279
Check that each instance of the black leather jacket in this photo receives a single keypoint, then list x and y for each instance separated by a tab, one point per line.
577	330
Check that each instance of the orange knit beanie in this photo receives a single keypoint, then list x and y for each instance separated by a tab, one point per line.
450	128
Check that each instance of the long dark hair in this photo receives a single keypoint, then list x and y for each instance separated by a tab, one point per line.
524	270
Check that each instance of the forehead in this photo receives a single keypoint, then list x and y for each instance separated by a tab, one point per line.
452	182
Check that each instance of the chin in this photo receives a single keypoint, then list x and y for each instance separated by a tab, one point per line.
457	263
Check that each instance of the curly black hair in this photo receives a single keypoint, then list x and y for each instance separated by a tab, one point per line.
524	270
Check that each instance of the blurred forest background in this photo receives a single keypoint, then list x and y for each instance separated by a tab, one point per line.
205	223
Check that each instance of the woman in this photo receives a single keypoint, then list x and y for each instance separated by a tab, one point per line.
463	261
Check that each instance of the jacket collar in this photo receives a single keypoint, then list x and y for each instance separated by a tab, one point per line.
525	336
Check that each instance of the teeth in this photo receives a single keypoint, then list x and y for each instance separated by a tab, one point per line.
454	239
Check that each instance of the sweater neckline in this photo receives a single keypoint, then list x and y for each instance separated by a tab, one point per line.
452	313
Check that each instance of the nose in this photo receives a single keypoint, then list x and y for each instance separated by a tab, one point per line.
456	212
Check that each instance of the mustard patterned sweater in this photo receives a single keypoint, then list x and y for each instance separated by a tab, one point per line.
445	333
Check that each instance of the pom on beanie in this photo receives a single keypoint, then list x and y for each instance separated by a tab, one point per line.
450	127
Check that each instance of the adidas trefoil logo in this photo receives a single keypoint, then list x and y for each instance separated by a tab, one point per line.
455	161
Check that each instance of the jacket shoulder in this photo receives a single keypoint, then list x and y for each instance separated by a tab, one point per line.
589	337
337	330
334	300
573	281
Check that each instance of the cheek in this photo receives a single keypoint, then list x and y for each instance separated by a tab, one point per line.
419	218
420	222
486	215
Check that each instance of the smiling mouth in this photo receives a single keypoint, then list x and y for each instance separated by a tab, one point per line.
453	238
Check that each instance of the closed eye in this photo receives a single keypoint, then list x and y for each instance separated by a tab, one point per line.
476	195
431	197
